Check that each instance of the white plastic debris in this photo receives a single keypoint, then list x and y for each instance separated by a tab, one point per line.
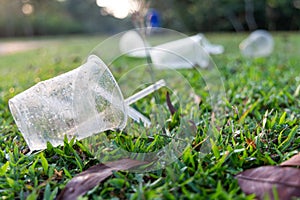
260	43
176	54
207	45
133	44
182	53
79	103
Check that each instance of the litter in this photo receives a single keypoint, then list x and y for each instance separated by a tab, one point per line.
194	49
260	43
79	103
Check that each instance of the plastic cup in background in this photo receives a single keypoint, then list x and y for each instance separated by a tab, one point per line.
79	103
260	43
132	41
167	53
207	45
171	54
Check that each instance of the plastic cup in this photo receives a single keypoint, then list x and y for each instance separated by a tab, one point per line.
132	41
207	45
182	95
185	52
260	43
79	103
182	53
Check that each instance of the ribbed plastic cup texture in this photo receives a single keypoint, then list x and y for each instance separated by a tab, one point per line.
79	103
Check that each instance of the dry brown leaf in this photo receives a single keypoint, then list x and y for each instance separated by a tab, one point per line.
91	177
293	161
261	181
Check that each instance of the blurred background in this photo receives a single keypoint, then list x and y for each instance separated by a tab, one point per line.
20	18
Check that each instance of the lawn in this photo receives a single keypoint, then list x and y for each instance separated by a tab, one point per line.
259	126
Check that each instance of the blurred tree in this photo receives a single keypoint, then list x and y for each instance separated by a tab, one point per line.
50	18
282	15
249	14
10	15
207	15
35	17
40	17
170	17
229	15
88	14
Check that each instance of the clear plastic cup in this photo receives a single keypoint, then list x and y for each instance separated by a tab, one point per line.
183	52
260	43
172	54
132	41
138	73
79	103
207	45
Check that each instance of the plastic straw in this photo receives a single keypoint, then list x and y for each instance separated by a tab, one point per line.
145	92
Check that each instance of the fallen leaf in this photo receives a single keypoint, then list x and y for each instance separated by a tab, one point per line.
170	105
261	181
91	177
293	161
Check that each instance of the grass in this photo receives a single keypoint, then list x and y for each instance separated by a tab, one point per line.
260	127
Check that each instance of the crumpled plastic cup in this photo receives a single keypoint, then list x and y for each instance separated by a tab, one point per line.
79	103
207	45
260	43
180	53
172	54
